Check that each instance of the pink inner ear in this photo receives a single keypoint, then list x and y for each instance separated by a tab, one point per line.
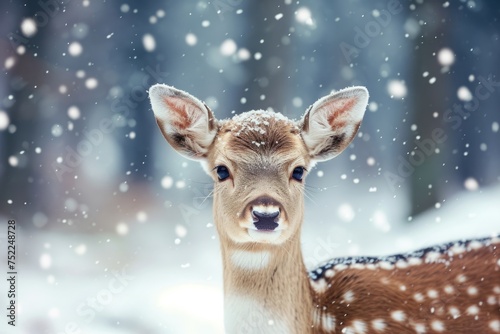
341	107
182	111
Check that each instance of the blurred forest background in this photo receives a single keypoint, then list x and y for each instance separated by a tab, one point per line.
96	191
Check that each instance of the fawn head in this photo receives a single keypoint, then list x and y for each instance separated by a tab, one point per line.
258	159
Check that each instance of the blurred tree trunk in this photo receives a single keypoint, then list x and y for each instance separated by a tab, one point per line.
267	86
19	182
425	181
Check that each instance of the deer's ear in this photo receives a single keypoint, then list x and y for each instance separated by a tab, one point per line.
331	123
186	123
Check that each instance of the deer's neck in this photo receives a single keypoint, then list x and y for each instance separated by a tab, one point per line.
266	288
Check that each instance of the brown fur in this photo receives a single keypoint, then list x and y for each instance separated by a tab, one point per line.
378	292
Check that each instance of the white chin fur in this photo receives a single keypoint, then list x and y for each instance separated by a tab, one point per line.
264	236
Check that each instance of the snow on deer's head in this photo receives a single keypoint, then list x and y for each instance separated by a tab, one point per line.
258	159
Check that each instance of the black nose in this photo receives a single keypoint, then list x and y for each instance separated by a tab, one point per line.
265	221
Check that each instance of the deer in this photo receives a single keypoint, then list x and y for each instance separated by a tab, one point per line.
258	161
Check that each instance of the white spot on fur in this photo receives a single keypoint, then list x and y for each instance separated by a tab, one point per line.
454	312
420	328
414	261
461	278
349	296
328	322
457	249
316	315
449	289
402	287
472	290
472	310
437	325
359	326
359	266
432	293
496	289
319	286
340	267
432	256
329	273
402	264
492	300
475	245
418	297
495	325
379	325
398	315
250	260
386	265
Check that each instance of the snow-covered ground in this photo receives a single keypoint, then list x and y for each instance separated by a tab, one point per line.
147	282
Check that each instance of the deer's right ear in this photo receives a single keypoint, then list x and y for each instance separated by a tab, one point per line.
186	123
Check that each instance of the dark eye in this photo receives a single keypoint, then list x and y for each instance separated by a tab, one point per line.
222	172
298	173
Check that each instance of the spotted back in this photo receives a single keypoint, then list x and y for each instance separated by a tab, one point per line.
450	288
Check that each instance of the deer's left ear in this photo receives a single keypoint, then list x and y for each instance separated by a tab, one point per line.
331	123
